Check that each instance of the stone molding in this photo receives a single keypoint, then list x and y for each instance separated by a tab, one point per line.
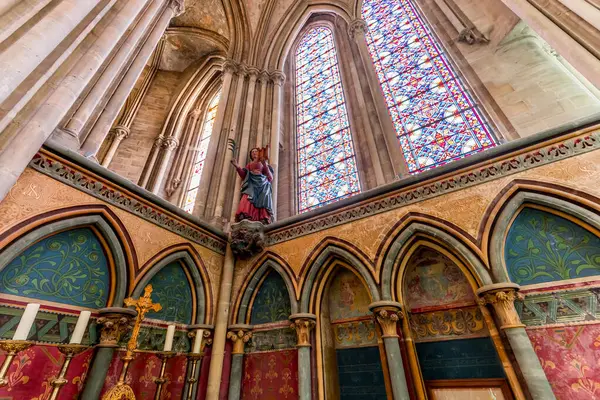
233	67
501	166
170	143
85	181
357	27
120	132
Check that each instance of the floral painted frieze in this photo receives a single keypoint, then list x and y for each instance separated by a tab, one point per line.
448	324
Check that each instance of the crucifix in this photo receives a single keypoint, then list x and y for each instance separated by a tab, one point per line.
142	305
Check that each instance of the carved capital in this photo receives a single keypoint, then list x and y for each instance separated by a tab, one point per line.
178	7
253	73
472	36
230	66
206	334
387	314
120	132
357	28
239	335
502	297
195	113
303	324
158	142
278	78
114	321
263	77
170	143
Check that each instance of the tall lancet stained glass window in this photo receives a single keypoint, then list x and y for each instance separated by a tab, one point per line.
436	119
326	162
207	127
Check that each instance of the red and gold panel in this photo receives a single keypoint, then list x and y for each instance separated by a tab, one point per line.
270	375
570	357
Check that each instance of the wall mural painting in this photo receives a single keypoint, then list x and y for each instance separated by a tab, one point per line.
360	374
273	339
448	324
354	334
272	302
348	297
271	375
174	293
30	374
570	357
543	247
433	280
69	267
459	359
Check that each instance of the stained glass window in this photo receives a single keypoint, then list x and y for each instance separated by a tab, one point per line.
435	118
207	126
326	161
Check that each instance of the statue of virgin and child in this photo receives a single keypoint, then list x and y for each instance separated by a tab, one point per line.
256	203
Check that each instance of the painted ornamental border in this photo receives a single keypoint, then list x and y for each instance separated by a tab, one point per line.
532	157
56	168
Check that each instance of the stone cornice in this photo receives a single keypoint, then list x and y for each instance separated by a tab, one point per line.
84	175
504	160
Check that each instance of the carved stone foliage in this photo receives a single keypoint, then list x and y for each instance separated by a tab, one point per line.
303	326
114	324
560	308
247	238
239	337
387	319
503	301
448	324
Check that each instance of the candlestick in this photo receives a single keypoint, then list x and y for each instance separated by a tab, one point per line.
26	322
191	380
161	380
169	338
12	348
70	351
198	341
80	327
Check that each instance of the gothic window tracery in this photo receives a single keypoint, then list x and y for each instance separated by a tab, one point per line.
325	152
207	126
436	120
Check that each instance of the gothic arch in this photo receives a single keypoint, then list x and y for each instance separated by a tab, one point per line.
103	223
201	313
243	305
509	210
405	239
327	259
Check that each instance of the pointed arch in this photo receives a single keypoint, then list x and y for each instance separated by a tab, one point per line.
242	308
115	240
195	271
403	241
570	208
325	261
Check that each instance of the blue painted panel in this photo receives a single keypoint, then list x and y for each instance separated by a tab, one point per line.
272	302
172	290
69	267
459	359
360	374
543	247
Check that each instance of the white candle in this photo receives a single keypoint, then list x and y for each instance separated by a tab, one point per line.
169	338
26	322
80	327
198	340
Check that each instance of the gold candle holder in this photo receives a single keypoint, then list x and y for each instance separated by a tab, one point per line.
12	348
161	380
70	351
191	380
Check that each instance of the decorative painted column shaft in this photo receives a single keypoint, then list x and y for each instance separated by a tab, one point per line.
115	321
502	297
303	324
358	29
387	314
278	78
240	335
221	317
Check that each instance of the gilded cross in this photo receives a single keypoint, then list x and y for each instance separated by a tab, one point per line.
142	306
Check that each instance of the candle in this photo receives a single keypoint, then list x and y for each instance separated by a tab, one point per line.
198	340
169	338
80	327
26	322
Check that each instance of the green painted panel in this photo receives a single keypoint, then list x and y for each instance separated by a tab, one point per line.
172	290
272	302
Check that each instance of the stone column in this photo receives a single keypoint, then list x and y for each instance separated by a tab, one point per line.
97	133
387	314
303	323
190	387
221	317
357	29
264	80
119	133
502	297
240	335
229	68
168	145
278	78
115	321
